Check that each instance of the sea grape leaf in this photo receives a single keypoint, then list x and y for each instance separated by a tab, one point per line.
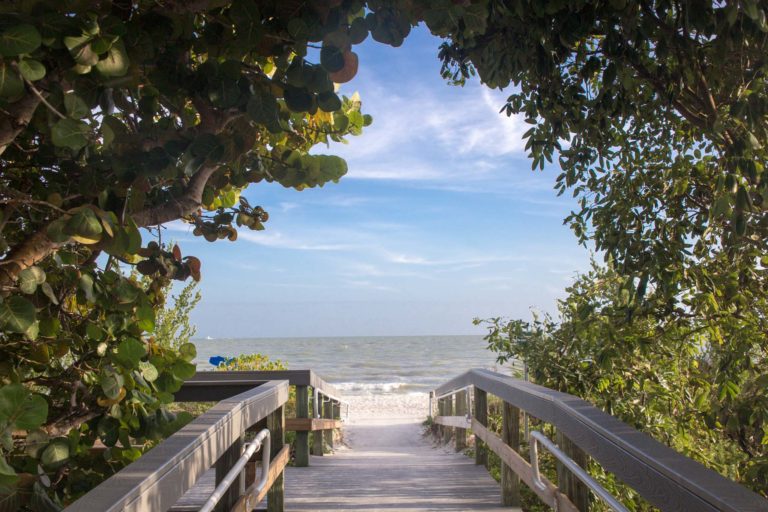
21	408
17	314
18	39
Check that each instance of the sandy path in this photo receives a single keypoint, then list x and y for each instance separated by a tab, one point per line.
386	464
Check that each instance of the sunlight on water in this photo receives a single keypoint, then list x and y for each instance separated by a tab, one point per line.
365	365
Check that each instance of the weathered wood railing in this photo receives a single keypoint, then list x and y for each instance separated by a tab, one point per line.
247	402
317	403
665	478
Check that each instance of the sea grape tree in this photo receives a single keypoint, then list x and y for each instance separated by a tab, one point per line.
122	115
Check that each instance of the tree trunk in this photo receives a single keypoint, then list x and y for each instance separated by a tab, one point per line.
39	246
16	118
29	252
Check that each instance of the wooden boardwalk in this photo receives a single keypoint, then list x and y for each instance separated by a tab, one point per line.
383	466
391	467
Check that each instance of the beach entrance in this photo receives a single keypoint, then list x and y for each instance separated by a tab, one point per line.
234	457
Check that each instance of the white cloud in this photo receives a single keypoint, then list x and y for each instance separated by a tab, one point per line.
277	240
429	136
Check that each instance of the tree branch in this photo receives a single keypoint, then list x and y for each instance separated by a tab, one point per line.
16	118
182	206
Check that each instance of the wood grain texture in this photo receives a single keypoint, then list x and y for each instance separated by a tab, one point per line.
276	490
159	478
667	479
550	495
252	496
311	424
452	421
481	418
510	435
460	442
302	434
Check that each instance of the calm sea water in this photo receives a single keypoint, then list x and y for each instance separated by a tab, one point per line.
365	365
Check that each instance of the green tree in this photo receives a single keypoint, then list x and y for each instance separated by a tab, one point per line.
172	326
655	112
660	375
117	116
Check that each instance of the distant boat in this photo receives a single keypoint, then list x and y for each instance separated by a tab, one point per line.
209	338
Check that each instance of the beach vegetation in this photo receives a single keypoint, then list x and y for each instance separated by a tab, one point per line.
118	118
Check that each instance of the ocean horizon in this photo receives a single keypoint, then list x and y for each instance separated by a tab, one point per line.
364	365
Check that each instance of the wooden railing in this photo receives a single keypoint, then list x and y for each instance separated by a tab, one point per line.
247	401
665	478
309	388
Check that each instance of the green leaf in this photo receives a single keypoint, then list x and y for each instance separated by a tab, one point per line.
188	351
75	106
30	278
111	382
297	99
31	69
130	351
70	133
17	314
86	284
80	49
146	318
8	475
21	409
56	453
11	86
35	442
48	291
126	292
262	108
84	226
184	370
19	39
148	371
332	58
116	62
328	102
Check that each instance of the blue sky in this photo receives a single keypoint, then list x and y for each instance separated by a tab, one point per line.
439	220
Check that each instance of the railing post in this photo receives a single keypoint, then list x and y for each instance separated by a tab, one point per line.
461	410
336	415
317	435
440	412
571	486
481	415
510	434
302	437
448	412
276	493
328	433
223	465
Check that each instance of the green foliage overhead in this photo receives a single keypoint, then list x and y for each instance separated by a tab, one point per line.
117	117
656	114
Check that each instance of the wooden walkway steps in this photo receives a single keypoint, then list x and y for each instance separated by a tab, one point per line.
384	467
391	467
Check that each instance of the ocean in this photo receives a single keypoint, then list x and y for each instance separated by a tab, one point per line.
365	365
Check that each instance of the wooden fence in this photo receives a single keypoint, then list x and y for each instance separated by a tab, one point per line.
665	478
247	401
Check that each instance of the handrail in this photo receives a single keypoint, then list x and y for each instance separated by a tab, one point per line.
537	437
466	389
161	476
262	440
294	378
316	402
667	479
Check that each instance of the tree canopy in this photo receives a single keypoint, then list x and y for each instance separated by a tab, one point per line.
122	115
